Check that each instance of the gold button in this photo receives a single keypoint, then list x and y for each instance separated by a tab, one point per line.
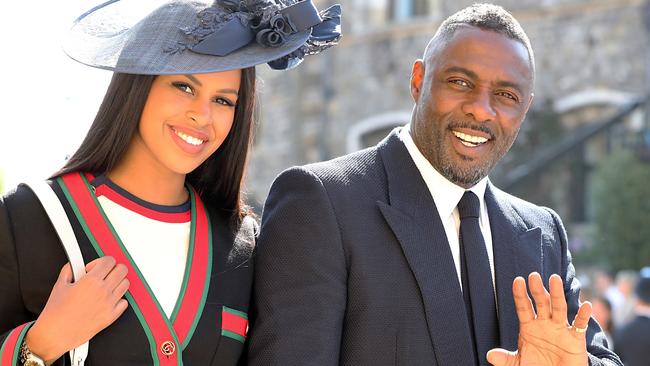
168	348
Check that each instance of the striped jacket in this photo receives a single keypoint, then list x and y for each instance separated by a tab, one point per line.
209	324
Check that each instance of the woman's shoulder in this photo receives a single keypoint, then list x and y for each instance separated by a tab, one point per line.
23	221
19	198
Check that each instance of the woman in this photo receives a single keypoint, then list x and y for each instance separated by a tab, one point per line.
154	191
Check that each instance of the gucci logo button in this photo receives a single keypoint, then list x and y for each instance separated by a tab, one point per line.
168	348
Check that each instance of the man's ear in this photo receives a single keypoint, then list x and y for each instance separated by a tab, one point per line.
417	78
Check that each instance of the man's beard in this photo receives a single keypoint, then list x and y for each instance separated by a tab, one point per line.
472	171
463	177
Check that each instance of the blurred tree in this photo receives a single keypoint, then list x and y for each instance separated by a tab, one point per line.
621	201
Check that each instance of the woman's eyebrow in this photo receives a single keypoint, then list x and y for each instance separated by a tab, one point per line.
195	80
227	91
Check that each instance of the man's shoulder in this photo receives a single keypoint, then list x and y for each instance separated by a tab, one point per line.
345	180
347	169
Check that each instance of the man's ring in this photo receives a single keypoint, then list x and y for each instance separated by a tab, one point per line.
579	330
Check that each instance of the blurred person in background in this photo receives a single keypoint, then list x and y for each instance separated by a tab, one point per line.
623	310
632	341
602	312
603	283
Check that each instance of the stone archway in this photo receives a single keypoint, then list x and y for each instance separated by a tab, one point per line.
577	111
370	131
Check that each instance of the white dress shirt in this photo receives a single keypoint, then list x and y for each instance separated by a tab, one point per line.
446	196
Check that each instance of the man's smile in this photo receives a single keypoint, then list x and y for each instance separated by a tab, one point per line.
469	140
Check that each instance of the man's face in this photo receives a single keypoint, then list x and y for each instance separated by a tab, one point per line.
472	93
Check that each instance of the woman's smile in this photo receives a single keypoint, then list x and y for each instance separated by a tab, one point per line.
189	140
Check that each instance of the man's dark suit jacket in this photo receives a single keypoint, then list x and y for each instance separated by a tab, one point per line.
354	268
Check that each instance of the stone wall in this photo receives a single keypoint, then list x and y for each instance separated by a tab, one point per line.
581	47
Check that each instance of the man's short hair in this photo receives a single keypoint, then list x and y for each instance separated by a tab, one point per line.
488	17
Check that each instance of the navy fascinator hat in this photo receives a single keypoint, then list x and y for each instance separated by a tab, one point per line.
198	36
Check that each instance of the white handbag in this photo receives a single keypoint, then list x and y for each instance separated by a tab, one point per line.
59	220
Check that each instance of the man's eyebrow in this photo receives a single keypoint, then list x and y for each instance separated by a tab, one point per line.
462	70
473	75
227	91
510	84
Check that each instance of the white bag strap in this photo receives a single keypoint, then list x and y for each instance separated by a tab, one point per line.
59	219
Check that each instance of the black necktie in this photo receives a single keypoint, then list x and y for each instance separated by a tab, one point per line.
476	278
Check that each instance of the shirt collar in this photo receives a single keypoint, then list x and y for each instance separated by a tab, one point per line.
445	194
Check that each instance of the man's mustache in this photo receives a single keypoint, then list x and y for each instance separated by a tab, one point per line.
482	127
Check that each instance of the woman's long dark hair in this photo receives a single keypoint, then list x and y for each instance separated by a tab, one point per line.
218	180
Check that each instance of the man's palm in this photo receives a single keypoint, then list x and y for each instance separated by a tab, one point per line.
545	337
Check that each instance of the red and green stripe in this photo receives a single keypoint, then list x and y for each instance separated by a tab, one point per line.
197	274
234	324
172	217
10	348
153	319
93	224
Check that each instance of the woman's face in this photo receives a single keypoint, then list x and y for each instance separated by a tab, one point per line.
186	118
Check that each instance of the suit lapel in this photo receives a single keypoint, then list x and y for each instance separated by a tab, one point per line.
513	244
414	219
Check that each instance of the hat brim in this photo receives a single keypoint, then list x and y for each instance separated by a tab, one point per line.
136	37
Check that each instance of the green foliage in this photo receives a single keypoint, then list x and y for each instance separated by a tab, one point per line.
621	201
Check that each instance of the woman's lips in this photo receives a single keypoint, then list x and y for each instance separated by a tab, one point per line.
190	141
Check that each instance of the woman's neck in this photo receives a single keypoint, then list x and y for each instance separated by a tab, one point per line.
148	180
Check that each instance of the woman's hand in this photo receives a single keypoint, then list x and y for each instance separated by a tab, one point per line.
75	312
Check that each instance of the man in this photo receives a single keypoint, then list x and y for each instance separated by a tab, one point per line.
632	341
366	259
